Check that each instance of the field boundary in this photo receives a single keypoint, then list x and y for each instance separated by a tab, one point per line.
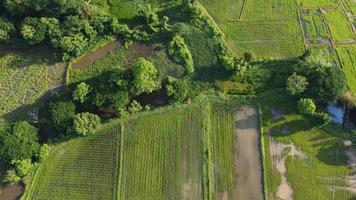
302	28
242	9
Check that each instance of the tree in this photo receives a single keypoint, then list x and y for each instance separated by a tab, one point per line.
81	92
22	167
32	30
145	76
11	177
327	83
296	84
62	114
7	30
86	123
180	52
19	142
177	89
306	106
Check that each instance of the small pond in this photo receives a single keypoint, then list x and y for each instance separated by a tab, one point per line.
337	112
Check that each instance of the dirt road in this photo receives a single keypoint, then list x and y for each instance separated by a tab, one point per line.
248	174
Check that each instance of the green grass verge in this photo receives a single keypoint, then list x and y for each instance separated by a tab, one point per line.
322	170
347	55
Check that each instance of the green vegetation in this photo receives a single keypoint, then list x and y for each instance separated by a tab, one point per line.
162	156
84	162
314	25
347	55
322	166
339	26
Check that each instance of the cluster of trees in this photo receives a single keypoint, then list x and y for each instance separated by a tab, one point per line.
316	82
180	52
20	149
71	26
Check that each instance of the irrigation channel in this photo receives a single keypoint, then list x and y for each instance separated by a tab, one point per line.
248	170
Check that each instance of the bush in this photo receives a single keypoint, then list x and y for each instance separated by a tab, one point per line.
134	107
62	114
177	89
296	84
7	30
19	142
33	30
44	152
22	167
306	106
11	177
319	118
86	123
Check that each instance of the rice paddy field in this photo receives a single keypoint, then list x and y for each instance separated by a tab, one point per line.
347	55
315	29
302	161
339	25
24	79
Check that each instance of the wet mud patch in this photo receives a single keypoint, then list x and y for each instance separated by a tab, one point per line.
11	192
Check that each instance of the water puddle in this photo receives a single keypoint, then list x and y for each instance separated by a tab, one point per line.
337	113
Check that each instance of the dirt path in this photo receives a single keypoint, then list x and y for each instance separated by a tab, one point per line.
90	58
279	156
248	173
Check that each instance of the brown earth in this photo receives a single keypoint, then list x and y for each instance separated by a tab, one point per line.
11	192
248	169
92	57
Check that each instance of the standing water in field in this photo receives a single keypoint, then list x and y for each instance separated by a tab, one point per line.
337	113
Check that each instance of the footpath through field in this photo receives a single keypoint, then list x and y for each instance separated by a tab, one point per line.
248	173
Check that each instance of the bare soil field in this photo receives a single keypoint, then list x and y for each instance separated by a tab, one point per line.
248	174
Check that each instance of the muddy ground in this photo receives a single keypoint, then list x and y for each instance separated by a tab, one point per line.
248	170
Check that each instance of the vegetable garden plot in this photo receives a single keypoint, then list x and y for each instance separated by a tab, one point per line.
226	10
347	54
265	39
314	27
270	10
318	3
85	168
350	6
162	156
324	53
340	28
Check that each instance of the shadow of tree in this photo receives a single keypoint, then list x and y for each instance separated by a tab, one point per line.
290	127
332	153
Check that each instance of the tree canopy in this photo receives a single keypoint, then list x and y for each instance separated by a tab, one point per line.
145	76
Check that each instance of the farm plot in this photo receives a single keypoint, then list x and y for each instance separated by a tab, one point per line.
324	53
162	156
314	27
269	10
350	6
23	81
340	28
265	39
318	3
222	139
302	161
85	168
225	10
347	55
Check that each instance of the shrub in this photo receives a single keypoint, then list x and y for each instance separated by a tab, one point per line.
81	92
320	118
7	30
19	142
135	107
296	84
33	30
44	151
177	89
86	123
306	106
11	177
22	167
62	114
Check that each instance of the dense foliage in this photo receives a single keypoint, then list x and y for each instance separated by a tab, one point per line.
86	123
145	77
62	114
180	53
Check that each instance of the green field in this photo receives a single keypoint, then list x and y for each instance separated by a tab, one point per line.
325	54
162	156
340	28
314	26
324	165
266	30
350	6
222	139
348	59
84	168
223	11
24	79
318	3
